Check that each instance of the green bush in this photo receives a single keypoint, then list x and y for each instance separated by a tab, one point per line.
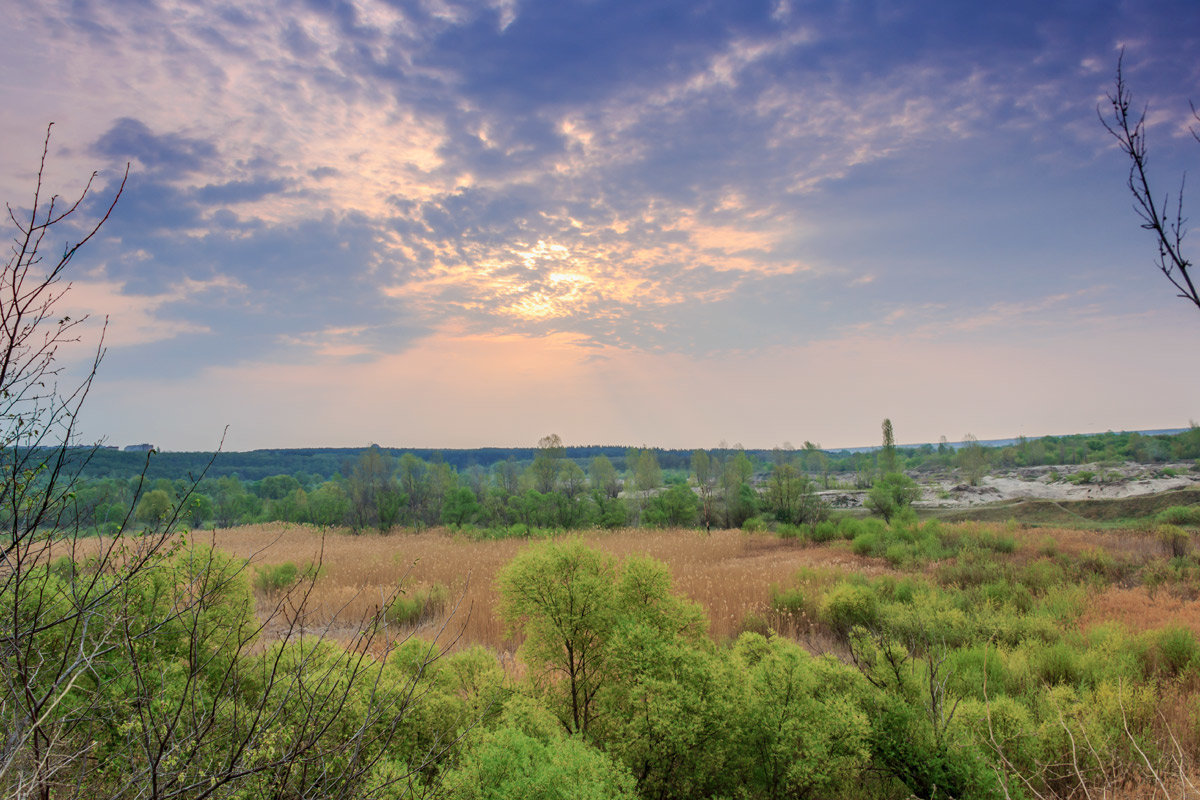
754	525
788	531
1057	663
1039	576
891	494
1178	650
415	607
790	601
898	554
850	528
825	531
970	568
1179	515
1175	540
848	605
272	578
1098	562
528	756
865	544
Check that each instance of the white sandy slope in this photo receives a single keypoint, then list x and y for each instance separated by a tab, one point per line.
1041	483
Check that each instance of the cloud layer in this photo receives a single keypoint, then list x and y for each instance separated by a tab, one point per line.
335	187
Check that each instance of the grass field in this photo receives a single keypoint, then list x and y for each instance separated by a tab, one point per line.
1053	624
730	573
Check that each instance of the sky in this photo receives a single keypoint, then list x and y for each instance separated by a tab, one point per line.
433	223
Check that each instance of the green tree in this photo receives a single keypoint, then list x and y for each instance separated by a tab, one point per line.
561	596
800	719
528	756
232	504
375	496
154	507
817	461
508	476
887	454
674	508
328	505
198	510
460	507
891	494
604	477
277	487
790	496
547	461
572	478
647	475
972	459
737	494
706	475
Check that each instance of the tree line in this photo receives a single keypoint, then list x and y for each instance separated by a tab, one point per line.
558	488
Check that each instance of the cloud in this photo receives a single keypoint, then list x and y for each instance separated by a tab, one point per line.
131	139
685	181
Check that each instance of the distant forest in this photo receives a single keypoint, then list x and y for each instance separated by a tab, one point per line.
514	491
327	463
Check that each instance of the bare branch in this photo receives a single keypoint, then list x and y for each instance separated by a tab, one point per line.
1127	125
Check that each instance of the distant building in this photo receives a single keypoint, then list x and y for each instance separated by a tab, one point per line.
138	448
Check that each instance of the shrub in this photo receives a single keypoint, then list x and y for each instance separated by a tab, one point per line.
850	527
865	544
891	494
1057	663
847	606
1178	650
971	568
272	578
898	554
1179	515
421	604
787	531
754	525
1099	562
789	601
1039	576
825	531
1176	541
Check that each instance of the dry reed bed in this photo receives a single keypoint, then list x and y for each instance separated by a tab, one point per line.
729	573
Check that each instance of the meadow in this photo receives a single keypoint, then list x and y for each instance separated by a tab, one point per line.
1122	594
851	657
730	573
733	575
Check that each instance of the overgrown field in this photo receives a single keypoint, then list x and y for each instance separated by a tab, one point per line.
1081	634
852	658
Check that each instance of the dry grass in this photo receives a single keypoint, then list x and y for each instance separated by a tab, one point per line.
729	573
1138	610
1135	546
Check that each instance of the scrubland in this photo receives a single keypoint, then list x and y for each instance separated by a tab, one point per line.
851	658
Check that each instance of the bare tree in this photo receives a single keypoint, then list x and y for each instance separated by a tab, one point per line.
1127	125
138	664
